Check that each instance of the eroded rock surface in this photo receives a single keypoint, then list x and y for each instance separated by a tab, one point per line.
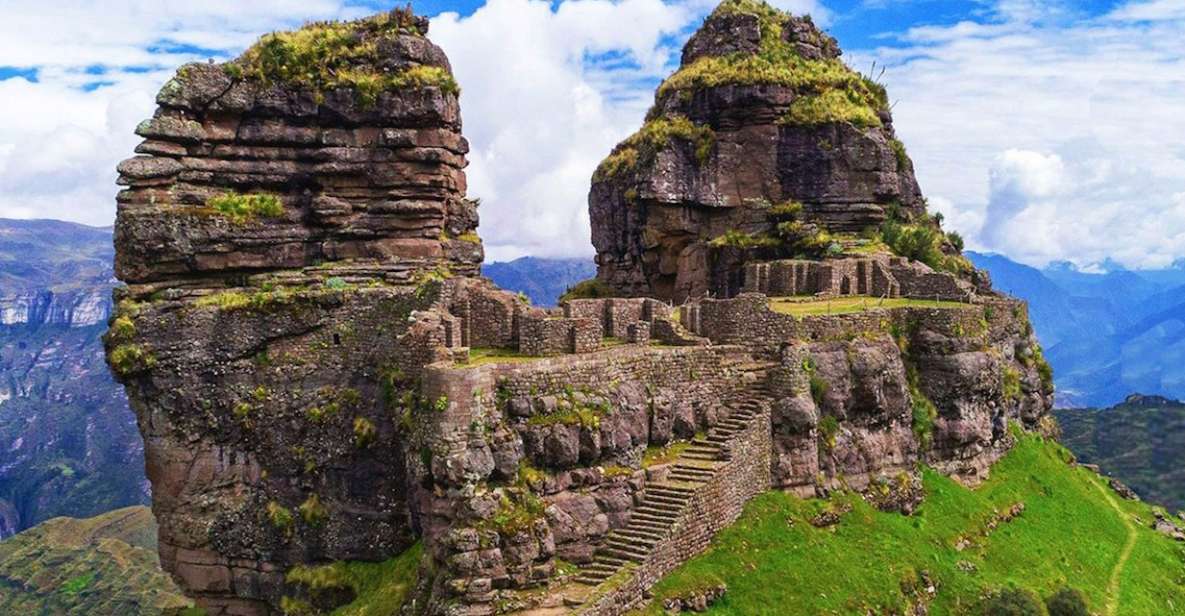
761	112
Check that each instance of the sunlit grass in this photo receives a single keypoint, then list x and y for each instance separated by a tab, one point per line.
847	304
1069	534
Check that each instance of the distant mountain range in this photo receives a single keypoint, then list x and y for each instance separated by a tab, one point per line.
68	441
1108	334
541	280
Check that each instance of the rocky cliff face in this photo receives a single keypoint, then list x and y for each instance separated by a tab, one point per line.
338	144
761	113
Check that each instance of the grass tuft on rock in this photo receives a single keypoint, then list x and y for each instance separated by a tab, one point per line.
327	55
242	209
379	588
655	136
829	90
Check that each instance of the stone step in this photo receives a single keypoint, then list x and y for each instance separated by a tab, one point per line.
705	448
591	580
637	552
640	533
599	568
636	545
659	515
664	501
693	467
702	456
635	557
671	487
609	560
671	509
679	496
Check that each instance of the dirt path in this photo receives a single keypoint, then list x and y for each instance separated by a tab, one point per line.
1124	555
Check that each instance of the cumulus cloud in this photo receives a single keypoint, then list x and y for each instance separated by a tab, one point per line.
545	95
90	73
1049	140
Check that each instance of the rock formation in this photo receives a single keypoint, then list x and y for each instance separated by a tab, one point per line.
340	143
321	377
762	124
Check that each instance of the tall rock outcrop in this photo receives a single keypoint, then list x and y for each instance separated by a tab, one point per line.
761	125
288	215
338	143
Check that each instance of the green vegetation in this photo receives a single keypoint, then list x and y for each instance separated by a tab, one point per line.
379	588
243	209
517	511
122	329
107	564
1138	442
129	359
923	413
480	356
1012	602
819	388
809	306
364	432
312	511
655	136
922	241
280	516
774	556
656	455
593	288
78	583
829	90
1010	382
324	56
829	430
1067	602
900	153
830	107
737	239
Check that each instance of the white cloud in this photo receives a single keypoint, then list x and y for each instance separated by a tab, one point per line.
1049	141
540	116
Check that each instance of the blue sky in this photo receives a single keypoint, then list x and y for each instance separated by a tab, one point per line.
1042	129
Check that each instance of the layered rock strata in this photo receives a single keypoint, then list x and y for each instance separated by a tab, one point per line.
245	168
760	114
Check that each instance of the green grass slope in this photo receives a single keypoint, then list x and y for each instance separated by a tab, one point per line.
102	565
1073	531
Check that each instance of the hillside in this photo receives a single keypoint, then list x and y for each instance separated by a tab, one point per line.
960	545
105	565
1140	442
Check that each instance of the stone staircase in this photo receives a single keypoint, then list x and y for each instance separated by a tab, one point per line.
663	502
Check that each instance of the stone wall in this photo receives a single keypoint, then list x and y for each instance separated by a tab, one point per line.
714	507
